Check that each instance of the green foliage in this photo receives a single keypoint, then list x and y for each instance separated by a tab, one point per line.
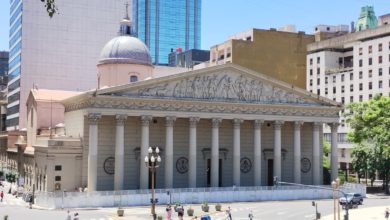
325	158
370	123
50	6
10	177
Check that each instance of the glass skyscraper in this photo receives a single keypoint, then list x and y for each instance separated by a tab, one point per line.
167	24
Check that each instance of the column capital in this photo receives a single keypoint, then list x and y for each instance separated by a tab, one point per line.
215	122
237	122
278	124
120	119
334	126
169	120
298	124
93	118
145	120
316	125
257	123
193	121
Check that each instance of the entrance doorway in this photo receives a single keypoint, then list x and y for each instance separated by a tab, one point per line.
270	168
209	173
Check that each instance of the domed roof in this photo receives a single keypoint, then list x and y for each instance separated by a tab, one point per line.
125	49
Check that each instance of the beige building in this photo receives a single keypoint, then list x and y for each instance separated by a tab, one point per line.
279	54
219	126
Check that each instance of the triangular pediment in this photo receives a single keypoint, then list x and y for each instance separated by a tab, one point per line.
226	83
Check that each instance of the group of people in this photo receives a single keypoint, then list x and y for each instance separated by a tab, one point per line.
69	216
179	210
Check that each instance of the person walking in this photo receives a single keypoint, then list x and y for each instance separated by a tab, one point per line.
76	216
31	201
230	213
169	212
69	216
387	214
2	196
250	215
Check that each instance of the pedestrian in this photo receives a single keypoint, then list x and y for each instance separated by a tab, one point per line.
76	216
387	213
31	201
68	217
169	212
230	213
2	196
180	213
250	215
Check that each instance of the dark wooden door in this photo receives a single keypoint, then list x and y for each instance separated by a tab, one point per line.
270	168
208	170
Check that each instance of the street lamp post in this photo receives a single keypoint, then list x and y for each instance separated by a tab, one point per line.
152	161
338	205
334	186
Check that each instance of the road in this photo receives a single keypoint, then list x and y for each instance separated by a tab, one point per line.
17	209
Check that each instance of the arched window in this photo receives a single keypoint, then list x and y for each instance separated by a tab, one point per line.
133	78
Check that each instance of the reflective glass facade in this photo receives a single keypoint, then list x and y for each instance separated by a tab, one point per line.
167	24
14	65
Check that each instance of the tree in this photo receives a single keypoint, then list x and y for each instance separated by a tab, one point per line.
326	162
50	6
370	123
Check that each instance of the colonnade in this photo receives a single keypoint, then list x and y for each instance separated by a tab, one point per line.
192	153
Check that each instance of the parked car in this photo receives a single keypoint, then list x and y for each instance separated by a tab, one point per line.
351	198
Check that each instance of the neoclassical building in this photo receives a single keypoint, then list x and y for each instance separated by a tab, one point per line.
215	127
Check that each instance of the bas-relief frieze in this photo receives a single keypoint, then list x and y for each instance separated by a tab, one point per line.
224	86
133	104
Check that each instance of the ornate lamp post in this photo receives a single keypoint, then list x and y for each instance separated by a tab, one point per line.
152	162
334	186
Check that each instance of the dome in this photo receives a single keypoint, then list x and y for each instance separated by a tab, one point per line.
125	49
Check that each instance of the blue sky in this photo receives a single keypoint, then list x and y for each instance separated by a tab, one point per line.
222	18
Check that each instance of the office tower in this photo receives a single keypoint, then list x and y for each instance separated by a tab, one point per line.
56	53
167	24
353	67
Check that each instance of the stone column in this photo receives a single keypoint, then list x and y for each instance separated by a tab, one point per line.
334	152
316	153
278	149
144	171
215	152
192	153
297	151
119	152
236	151
93	120
169	151
257	152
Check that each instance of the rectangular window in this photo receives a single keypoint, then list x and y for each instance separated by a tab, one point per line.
360	63
318	70
369	73
57	167
379	47
380	84
311	82
318	81
311	72
380	59
351	99
342	100
334	89
360	51
57	178
351	88
326	80
370	49
369	85
318	60
360	75
334	79
351	76
360	98
342	77
326	91
318	91
370	96
311	61
360	86
342	89
380	71
370	61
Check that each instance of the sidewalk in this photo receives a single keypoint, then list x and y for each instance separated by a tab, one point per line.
362	213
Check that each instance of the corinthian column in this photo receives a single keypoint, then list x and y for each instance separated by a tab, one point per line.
144	171
236	151
215	152
192	153
278	149
297	151
119	152
93	120
257	152
316	153
334	155
169	151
